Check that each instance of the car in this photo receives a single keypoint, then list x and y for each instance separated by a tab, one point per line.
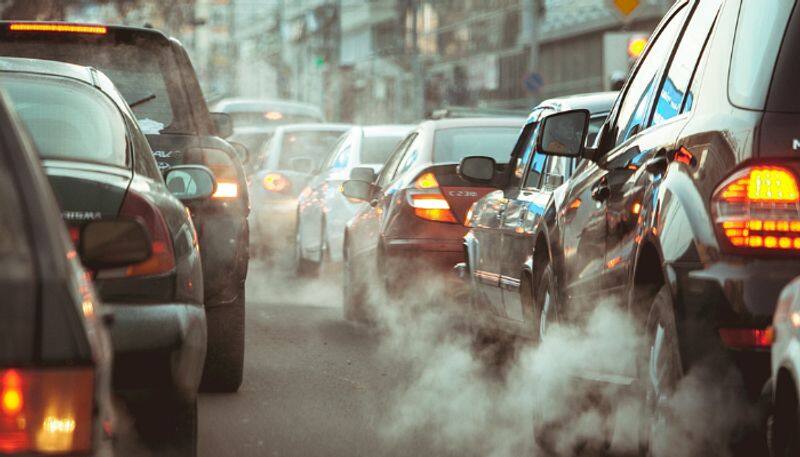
414	219
686	210
289	159
101	169
55	367
785	358
255	119
499	244
156	77
322	210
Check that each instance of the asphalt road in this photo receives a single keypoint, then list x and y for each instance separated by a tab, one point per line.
314	385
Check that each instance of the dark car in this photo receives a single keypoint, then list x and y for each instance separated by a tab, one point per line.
499	244
322	210
687	211
156	78
55	352
414	221
102	169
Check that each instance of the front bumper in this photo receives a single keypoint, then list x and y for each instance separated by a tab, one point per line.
158	347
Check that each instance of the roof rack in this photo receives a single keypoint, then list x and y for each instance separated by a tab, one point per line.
452	112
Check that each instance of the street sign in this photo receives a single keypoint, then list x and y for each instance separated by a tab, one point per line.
625	7
533	82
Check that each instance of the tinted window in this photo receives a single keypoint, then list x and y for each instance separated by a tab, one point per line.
137	71
674	90
784	95
312	144
453	144
635	108
376	149
68	120
535	171
388	171
758	38
522	152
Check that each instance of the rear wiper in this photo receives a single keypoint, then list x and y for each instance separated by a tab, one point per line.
143	100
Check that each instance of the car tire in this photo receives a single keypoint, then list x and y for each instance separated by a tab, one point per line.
784	428
166	425
660	370
224	366
544	302
353	295
303	267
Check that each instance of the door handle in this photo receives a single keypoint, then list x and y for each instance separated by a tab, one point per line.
601	192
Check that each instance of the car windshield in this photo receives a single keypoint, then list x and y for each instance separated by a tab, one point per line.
376	149
68	120
453	144
311	144
138	71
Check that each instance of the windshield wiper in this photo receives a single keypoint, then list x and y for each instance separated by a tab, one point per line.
143	100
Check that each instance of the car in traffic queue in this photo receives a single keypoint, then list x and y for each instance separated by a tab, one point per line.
413	223
101	169
289	160
156	78
55	351
322	210
499	244
687	211
785	427
255	119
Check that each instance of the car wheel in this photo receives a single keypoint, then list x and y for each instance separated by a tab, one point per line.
306	268
167	426
660	370
544	306
225	353
352	294
785	426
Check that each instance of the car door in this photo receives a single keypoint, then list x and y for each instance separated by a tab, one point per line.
643	161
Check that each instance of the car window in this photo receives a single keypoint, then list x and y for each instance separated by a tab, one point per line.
635	107
532	180
453	144
674	91
342	158
522	154
557	171
334	154
376	149
759	33
310	144
410	157
784	96
389	169
68	120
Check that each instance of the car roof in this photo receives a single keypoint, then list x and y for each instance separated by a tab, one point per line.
474	122
47	67
595	102
386	130
313	127
233	105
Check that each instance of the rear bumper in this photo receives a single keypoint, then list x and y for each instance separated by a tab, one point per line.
158	347
414	257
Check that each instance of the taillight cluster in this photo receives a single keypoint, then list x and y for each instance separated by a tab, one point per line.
46	410
427	200
758	208
276	182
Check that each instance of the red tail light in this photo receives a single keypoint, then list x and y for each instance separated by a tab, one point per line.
758	208
46	411
162	260
743	338
224	170
276	182
428	202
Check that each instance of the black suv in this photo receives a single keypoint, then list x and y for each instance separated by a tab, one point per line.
687	210
154	74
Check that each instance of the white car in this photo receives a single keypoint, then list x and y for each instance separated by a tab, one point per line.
322	209
785	428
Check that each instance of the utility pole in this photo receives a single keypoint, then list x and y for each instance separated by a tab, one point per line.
416	62
530	33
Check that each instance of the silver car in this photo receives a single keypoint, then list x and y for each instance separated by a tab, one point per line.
322	209
785	428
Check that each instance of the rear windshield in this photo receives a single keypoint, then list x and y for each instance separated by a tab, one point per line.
376	149
68	120
784	94
452	145
269	118
759	34
138	70
311	144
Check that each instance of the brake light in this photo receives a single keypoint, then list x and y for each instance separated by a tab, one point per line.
57	28
224	169
428	202
46	410
226	190
742	338
162	259
759	208
276	182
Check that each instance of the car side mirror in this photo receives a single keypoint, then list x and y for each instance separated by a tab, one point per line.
564	134
302	165
114	244
223	124
477	168
242	152
190	182
366	174
358	190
